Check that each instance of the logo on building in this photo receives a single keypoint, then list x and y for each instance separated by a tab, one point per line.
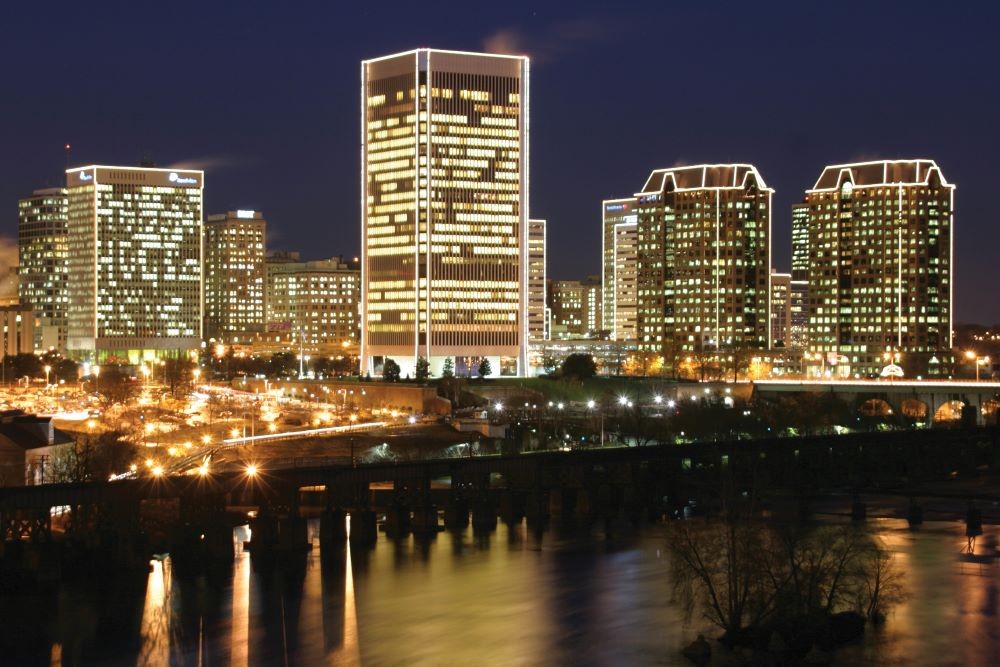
84	176
181	180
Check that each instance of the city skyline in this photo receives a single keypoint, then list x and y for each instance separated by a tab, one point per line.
796	130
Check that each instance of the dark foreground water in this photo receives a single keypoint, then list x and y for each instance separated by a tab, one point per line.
507	598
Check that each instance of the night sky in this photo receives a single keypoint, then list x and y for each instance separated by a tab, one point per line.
264	96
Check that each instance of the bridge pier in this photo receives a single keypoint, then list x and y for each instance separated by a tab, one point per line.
332	529
364	527
456	514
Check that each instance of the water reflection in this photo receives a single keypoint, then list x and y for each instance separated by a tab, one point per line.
509	596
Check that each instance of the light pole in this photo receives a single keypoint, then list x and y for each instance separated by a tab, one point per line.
977	361
197	374
48	369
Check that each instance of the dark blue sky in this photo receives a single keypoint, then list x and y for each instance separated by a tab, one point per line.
264	96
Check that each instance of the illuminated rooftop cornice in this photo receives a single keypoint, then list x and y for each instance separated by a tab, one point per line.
879	174
430	50
727	176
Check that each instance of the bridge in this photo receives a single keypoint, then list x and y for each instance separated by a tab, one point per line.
927	401
127	520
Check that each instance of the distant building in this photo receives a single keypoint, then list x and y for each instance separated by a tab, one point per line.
611	356
18	334
315	303
800	241
619	268
235	278
134	263
704	259
537	312
42	256
445	210
798	307
880	272
576	307
781	309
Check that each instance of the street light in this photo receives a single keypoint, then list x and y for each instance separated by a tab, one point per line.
977	361
197	374
48	369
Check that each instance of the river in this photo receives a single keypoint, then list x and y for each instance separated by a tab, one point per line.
509	597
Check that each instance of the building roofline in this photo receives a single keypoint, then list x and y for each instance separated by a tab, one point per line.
931	166
669	171
119	166
449	51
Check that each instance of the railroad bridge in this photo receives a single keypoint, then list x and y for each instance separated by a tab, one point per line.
127	520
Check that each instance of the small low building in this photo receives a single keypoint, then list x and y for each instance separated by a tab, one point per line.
28	444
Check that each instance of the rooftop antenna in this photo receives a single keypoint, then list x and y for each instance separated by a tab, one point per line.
68	148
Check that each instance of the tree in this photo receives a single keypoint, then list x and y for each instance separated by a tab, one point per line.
484	368
423	369
579	366
66	369
114	386
390	371
177	373
94	458
448	371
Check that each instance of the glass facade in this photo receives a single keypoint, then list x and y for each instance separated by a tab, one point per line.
235	253
619	268
134	262
444	231
537	329
703	260
781	309
880	275
42	257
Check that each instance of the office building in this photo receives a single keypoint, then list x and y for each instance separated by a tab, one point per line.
703	260
800	241
235	250
134	263
880	266
18	334
619	268
798	315
41	237
445	211
537	311
781	309
314	304
576	307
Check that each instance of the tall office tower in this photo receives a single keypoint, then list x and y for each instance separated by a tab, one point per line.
593	306
800	241
235	249
41	237
313	303
880	283
17	335
134	262
536	281
798	315
444	174
781	309
619	262
704	259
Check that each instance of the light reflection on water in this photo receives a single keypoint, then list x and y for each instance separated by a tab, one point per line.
510	597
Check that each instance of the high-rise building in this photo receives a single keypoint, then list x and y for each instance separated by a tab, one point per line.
235	250
537	329
798	322
41	236
445	210
800	241
134	263
781	309
576	307
315	303
619	268
880	251
704	259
